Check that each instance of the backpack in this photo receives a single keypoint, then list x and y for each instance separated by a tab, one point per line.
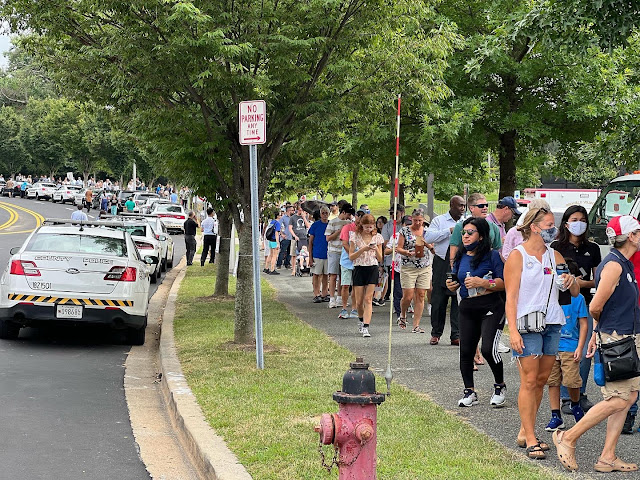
270	234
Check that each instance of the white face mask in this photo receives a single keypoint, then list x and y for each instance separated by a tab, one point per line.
577	228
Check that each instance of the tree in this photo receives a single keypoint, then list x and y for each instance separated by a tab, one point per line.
197	60
12	153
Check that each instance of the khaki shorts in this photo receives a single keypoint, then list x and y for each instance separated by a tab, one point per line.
411	277
620	388
319	266
565	371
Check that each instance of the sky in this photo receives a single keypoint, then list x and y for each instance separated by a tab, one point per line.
5	45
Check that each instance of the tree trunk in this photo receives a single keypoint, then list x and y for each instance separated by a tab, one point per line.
507	163
354	188
243	326
401	194
222	276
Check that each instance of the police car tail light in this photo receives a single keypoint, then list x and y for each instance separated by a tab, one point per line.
24	267
144	246
121	274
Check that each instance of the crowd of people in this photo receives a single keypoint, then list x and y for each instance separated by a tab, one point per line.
536	278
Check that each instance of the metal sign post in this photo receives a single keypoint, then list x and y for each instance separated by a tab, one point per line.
252	123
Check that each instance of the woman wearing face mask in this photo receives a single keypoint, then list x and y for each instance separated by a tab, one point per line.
365	251
415	269
531	284
478	272
616	315
572	243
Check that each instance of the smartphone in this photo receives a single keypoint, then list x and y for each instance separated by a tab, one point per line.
450	277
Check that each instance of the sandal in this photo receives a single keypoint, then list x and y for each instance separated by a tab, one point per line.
522	443
417	329
616	466
566	453
535	452
402	323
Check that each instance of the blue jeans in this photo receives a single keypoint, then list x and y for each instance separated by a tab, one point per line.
585	364
543	343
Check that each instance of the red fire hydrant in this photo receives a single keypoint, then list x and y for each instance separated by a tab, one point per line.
352	430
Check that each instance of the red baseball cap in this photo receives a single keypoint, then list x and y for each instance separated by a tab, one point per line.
622	225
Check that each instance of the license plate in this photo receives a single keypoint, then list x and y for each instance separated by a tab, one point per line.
41	285
68	311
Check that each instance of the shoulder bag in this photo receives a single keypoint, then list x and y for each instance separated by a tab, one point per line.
535	322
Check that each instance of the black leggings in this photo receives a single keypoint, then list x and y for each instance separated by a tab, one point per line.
481	316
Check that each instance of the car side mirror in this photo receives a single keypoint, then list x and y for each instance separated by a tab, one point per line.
162	238
151	259
14	250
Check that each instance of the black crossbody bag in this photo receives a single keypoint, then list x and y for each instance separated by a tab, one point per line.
620	358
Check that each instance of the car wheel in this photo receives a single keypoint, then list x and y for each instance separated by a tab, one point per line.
135	336
9	330
164	264
154	276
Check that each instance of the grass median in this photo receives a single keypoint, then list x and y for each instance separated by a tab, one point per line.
267	417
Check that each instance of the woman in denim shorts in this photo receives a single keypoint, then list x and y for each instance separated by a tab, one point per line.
616	315
532	286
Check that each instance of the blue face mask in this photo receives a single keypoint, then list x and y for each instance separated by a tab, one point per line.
549	235
472	246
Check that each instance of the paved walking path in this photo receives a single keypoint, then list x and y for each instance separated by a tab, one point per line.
434	370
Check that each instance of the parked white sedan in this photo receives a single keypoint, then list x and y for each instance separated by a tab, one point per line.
66	193
172	215
41	190
65	273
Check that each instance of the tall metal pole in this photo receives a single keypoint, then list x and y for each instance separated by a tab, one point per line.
255	232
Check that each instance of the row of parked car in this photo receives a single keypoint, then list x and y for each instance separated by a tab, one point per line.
172	215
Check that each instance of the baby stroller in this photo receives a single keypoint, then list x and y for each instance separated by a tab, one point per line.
301	272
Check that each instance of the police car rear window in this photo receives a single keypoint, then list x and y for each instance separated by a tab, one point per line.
70	243
135	230
170	208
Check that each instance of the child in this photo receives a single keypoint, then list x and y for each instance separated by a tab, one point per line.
567	366
303	258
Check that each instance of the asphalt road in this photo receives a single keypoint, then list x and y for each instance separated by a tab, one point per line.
64	413
434	370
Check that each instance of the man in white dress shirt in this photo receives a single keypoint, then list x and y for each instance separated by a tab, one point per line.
439	233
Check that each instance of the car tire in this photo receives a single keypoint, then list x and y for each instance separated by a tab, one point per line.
170	262
154	276
164	264
9	330
135	336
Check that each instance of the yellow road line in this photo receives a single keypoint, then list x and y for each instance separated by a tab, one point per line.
13	216
39	218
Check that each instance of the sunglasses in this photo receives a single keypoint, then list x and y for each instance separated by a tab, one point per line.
469	232
480	205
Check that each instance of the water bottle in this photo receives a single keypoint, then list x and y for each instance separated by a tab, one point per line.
488	276
472	291
561	269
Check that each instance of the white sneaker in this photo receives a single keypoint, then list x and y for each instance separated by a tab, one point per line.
503	348
360	327
333	303
499	397
469	399
365	332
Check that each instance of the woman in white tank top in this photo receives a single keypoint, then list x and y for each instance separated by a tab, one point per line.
531	286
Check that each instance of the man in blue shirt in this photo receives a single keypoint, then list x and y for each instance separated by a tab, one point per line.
318	247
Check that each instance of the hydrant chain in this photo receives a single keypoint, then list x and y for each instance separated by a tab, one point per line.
334	460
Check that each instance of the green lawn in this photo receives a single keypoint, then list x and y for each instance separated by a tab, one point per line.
267	417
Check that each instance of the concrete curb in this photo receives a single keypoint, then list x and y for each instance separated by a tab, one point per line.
210	455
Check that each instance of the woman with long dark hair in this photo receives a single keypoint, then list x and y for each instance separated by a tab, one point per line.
572	242
478	272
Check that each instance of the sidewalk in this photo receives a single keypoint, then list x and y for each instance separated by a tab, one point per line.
434	370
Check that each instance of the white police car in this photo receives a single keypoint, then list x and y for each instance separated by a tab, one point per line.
76	273
41	190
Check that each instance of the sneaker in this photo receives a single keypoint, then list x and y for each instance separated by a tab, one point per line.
343	313
566	406
326	298
578	413
585	403
360	327
317	299
375	302
381	302
273	272
503	348
499	397
365	332
469	399
554	424
627	429
354	314
332	303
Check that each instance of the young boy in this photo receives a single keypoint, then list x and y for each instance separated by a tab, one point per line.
567	366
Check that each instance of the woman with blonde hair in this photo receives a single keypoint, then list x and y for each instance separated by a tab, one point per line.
535	317
365	250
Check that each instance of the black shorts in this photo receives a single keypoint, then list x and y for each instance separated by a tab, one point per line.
365	275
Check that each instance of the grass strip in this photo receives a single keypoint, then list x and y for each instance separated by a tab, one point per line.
267	417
